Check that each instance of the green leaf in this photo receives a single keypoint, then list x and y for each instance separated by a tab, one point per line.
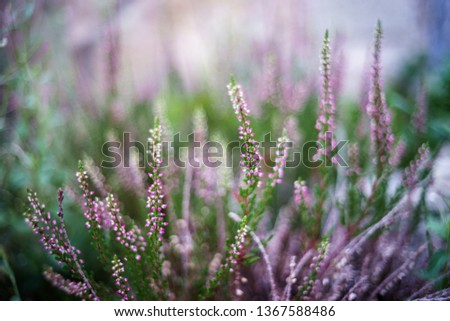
5	267
251	259
439	227
437	262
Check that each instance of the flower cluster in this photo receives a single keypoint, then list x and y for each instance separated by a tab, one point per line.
155	198
102	216
412	173
236	249
95	175
251	158
123	288
79	289
301	193
105	215
325	123
307	289
92	209
380	119
280	160
53	236
132	238
52	232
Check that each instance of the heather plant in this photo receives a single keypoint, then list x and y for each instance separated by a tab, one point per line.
349	230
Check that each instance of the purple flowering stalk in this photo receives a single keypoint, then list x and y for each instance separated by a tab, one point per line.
251	170
381	134
132	239
412	174
205	180
171	174
96	176
155	199
236	255
123	288
210	184
252	173
354	169
94	213
250	158
103	218
156	206
303	201
301	194
134	246
142	253
398	153
382	138
325	123
308	289
76	288
55	240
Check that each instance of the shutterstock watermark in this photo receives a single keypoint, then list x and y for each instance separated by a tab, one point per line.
191	152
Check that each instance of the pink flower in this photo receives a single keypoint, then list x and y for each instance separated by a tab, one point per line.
301	194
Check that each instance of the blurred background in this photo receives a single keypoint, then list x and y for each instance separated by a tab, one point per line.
74	74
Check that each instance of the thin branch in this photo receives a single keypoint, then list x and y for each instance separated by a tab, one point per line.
269	267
